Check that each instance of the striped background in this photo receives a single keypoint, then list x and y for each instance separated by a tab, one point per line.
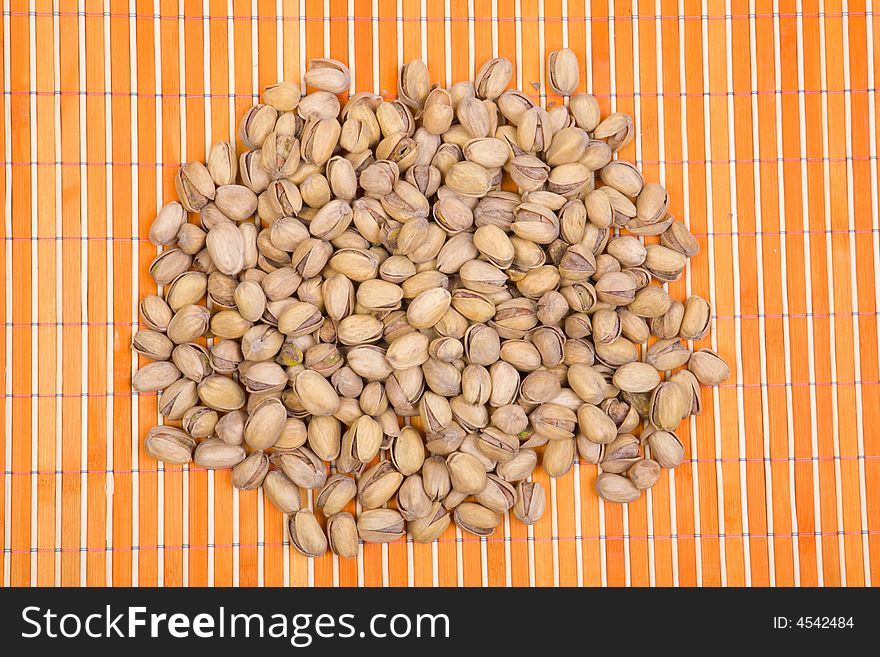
760	119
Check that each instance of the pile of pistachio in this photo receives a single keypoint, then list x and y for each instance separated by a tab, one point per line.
366	262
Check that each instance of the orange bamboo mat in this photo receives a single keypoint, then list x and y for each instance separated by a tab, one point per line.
760	119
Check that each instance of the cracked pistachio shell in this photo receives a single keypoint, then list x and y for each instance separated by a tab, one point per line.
618	456
426	309
584	109
595	425
213	453
152	344
282	492
666	448
636	377
319	140
378	295
195	187
257	123
363	439
652	203
283	96
644	473
168	444
430	526
250	473
230	427
498	495
414	83
534	131
468	179
476	384
316	394
378	484
155	376
343	535
318	105
589	451
670	404
335	494
408	451
466	473
616	488
303	467
623	176
235	201
563	71
559	456
434	412
446	440
168	265
155	312
650	302
512	104
166	225
616	129
679	238
200	421
709	368
667	355
306	534
325	436
553	421
358	330
264	424
221	393
263	377
381	525
435	477
177	399
691	385
498	445
697	318
328	75
520	466
492	78
186	289
664	263
530	502
668	324
476	519
226	248
229	324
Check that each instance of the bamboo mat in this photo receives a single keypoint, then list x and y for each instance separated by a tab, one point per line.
760	119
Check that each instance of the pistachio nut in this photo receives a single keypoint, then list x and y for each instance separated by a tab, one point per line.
306	534
168	444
